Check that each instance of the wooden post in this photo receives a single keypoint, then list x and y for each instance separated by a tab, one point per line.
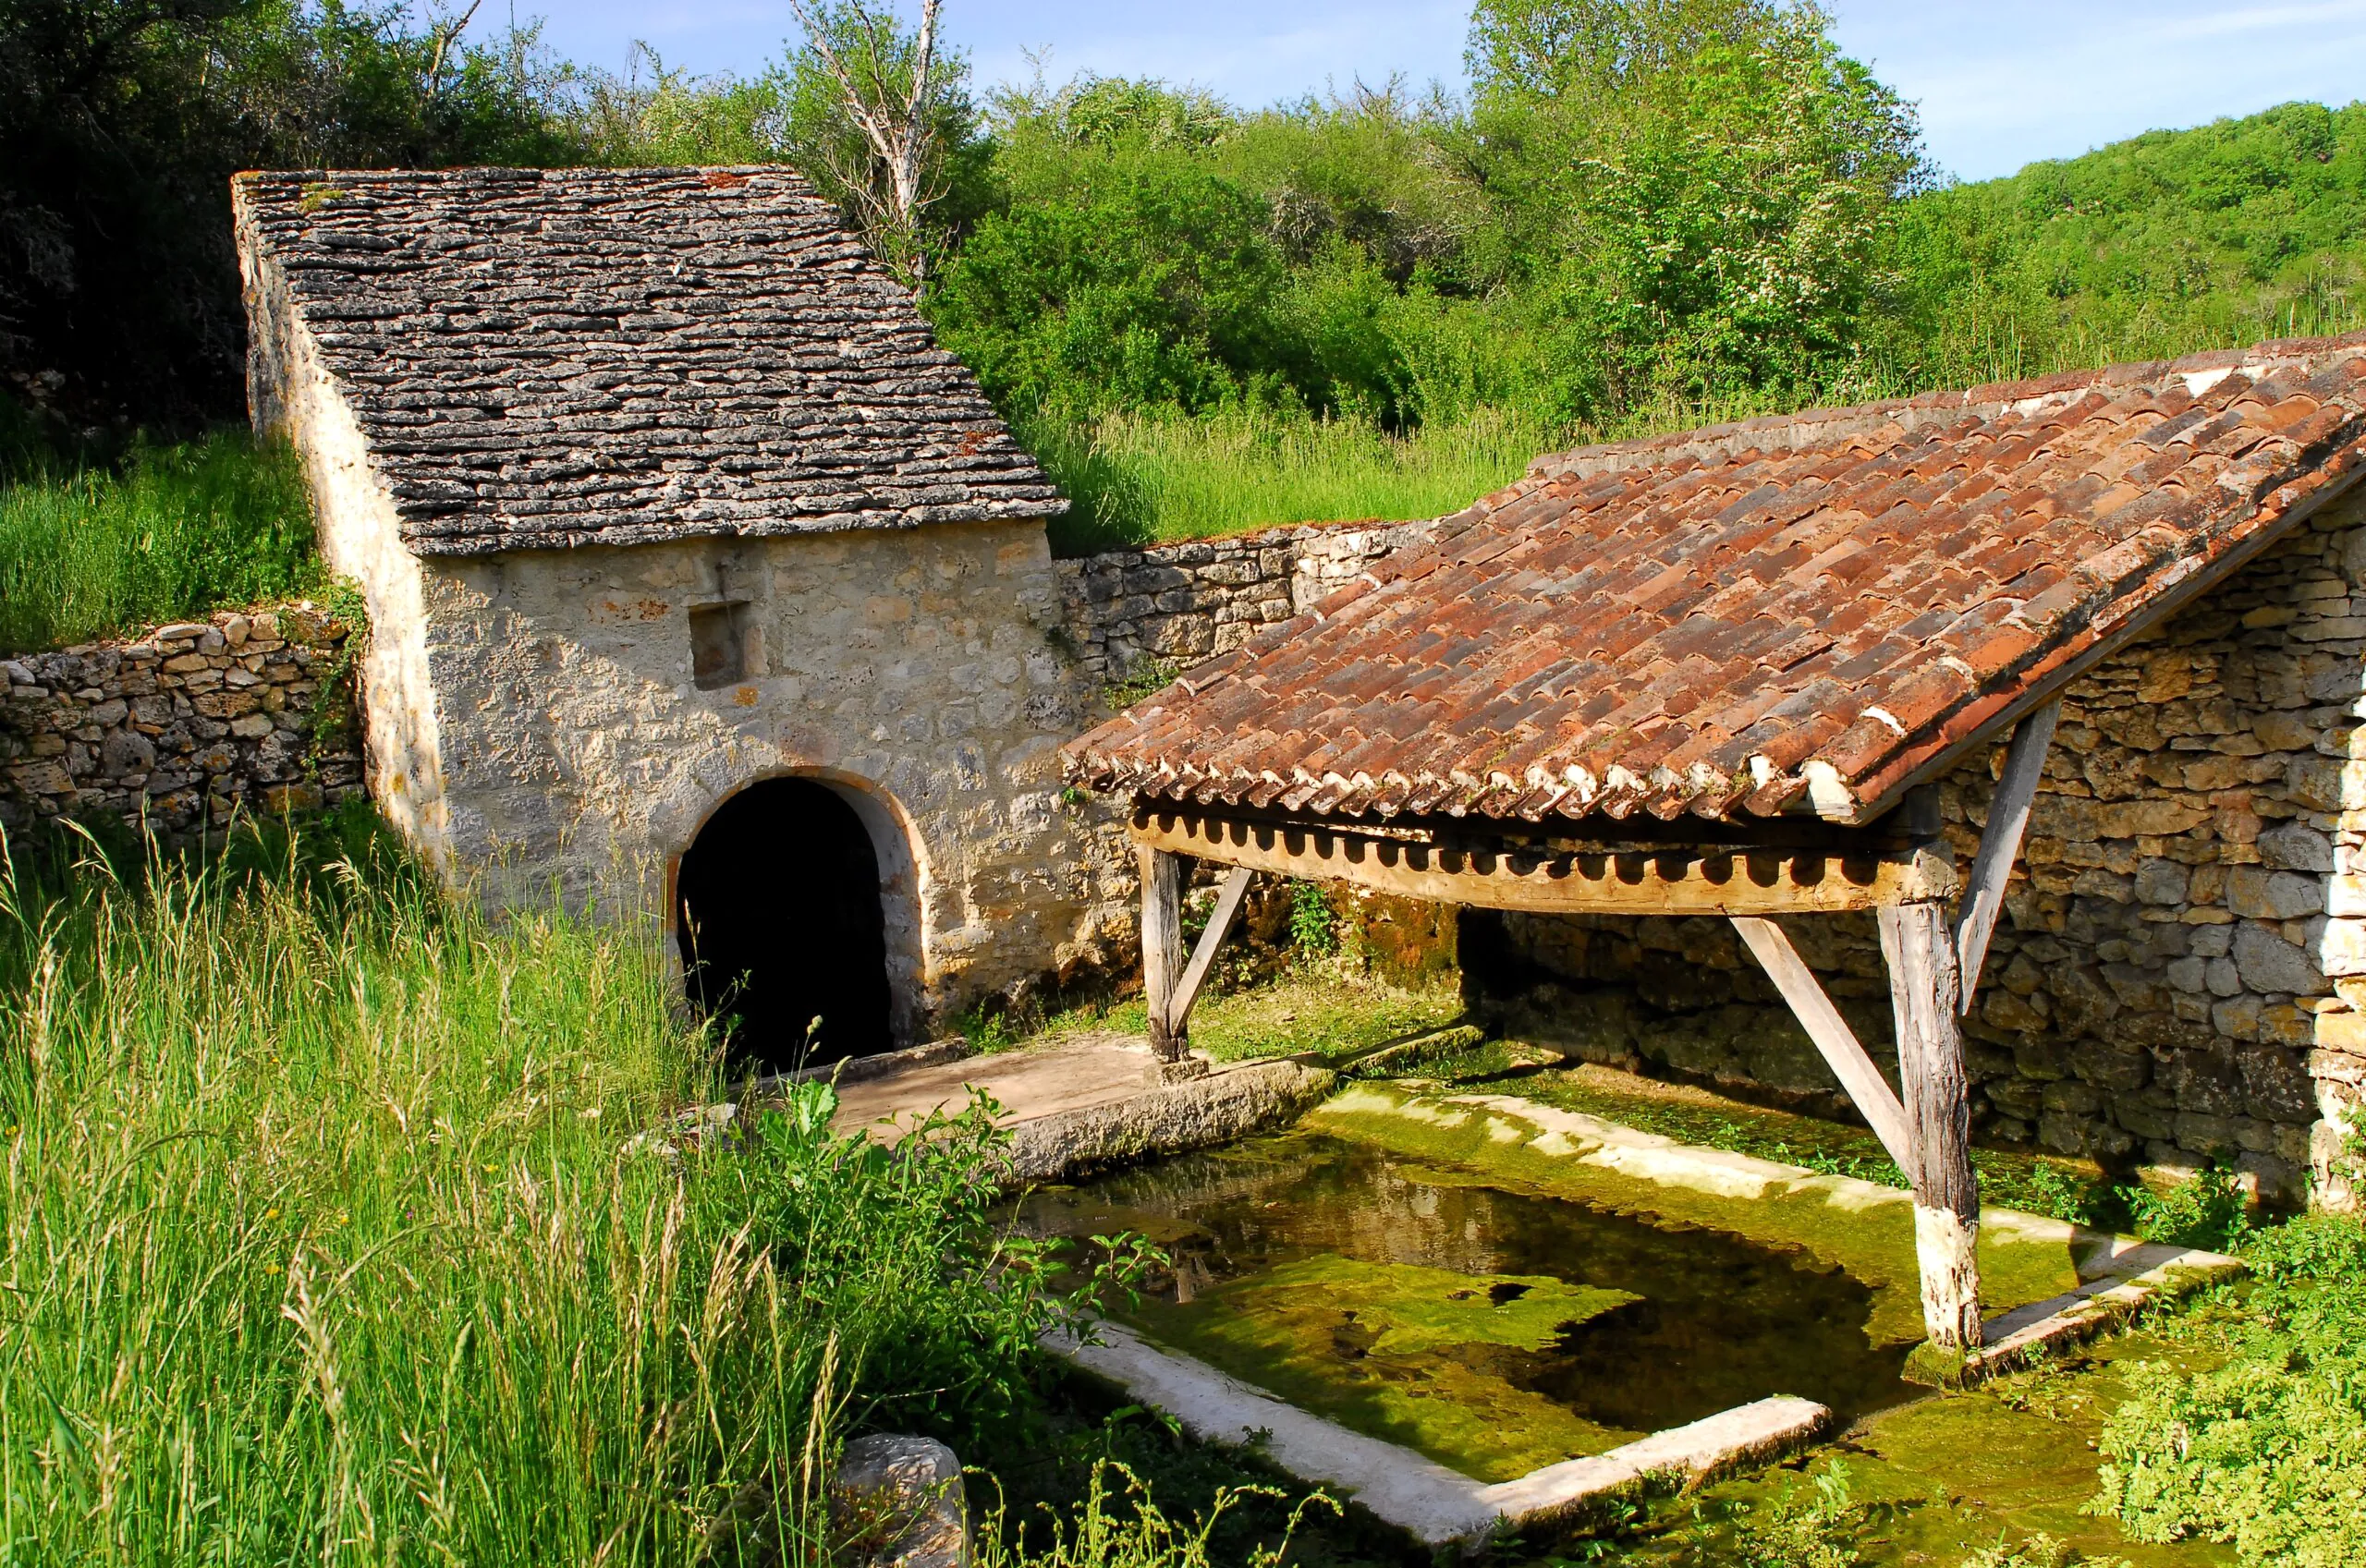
1162	875
1203	957
2000	845
1868	1091
1923	983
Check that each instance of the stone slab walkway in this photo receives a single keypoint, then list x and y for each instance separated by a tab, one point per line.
1076	1075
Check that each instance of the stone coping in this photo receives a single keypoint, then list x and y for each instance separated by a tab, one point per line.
1437	1505
2145	1273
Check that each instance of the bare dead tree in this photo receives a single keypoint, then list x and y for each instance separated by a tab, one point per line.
446	31
898	129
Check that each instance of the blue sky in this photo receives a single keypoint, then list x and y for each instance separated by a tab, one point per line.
1999	83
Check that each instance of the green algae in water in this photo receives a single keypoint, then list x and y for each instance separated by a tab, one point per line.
1297	1256
1402	1352
1404	1307
1873	1243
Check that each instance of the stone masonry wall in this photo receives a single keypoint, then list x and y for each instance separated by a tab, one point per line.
180	728
1131	611
2181	970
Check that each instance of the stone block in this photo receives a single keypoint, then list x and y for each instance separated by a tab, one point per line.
2161	882
2277	1086
2341	949
2042	1060
2072	1098
2263	895
2212	1136
898	1503
2268	963
2143	1118
2108	1067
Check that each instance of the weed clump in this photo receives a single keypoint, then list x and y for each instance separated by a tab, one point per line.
341	1223
2266	1451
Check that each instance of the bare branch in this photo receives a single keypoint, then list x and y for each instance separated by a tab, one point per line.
445	34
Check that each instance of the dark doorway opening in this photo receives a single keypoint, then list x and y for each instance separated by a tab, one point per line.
777	910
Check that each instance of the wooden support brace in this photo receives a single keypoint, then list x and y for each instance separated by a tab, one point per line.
1920	951
1186	991
1162	878
1867	1088
2000	845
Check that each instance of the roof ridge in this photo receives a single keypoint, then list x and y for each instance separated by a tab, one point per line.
1818	425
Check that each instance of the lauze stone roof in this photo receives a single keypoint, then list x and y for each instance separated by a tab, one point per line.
1812	612
542	357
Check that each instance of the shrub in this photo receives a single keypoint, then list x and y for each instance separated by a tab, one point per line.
2268	1451
2206	1210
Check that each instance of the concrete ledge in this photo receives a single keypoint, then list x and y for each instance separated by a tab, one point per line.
2141	1276
1230	1102
1417	1494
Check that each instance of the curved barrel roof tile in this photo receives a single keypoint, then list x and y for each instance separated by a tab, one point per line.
1803	612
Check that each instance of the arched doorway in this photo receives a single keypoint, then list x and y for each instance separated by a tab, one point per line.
779	914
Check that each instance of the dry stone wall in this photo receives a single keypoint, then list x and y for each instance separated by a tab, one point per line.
1133	613
179	728
2181	973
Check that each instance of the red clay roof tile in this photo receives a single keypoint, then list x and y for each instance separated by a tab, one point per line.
1689	623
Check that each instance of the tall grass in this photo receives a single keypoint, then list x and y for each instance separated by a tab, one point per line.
331	1234
173	532
1137	478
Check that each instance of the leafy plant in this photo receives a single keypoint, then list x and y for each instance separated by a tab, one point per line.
2207	1209
1120	1526
2039	1550
2267	1450
1315	925
1814	1527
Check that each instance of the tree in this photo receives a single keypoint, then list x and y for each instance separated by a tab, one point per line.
889	107
120	124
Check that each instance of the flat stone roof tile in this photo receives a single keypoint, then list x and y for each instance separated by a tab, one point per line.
548	358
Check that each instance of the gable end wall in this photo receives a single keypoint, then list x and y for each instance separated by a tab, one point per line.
291	396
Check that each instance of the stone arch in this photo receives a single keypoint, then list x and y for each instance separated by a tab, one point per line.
797	893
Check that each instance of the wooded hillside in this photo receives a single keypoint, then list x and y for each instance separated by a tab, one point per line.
1641	214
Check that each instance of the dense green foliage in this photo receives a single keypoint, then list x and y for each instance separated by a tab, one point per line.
2266	1451
1641	213
120	124
171	532
343	1227
2217	237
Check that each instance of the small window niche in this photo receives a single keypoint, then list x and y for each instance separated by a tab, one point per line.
720	655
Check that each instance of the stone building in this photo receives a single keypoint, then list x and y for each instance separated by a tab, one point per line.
1757	633
696	574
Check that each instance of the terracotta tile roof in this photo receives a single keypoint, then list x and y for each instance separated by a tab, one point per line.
560	357
1808	612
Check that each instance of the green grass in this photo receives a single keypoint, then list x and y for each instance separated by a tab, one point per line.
331	1230
172	532
1322	1008
1138	479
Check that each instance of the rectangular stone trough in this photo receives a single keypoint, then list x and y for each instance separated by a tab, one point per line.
1835	1220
